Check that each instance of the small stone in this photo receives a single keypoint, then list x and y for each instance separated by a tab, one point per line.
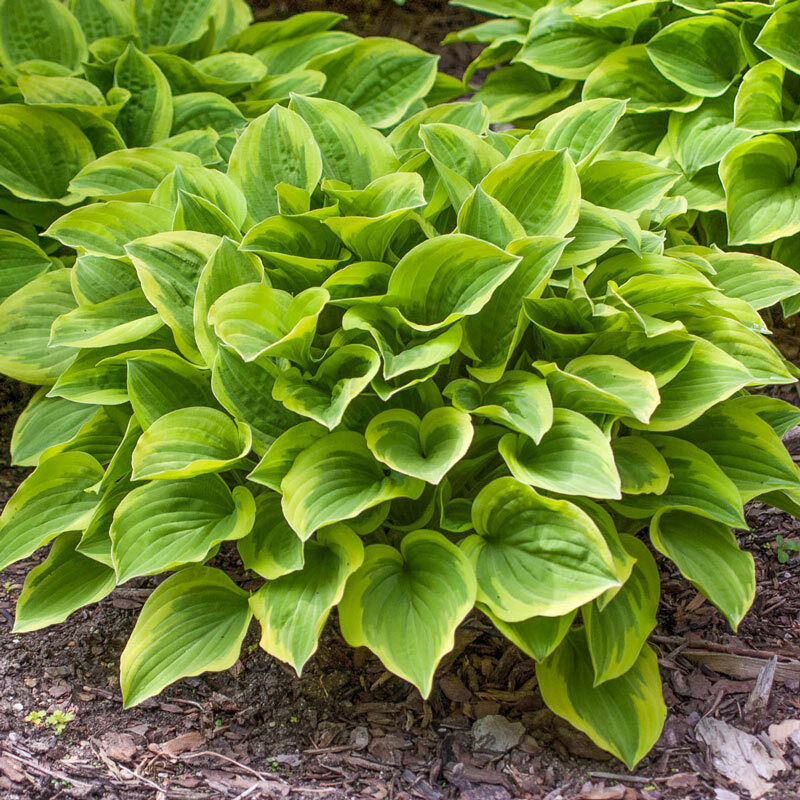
119	746
497	734
18	707
359	737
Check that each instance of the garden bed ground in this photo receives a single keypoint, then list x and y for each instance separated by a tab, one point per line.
350	729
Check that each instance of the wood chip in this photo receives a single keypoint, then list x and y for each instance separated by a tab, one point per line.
755	708
180	744
11	770
738	756
118	746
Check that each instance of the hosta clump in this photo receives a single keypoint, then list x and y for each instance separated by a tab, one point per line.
404	374
711	89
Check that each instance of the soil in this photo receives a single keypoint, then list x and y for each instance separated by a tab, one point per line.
348	728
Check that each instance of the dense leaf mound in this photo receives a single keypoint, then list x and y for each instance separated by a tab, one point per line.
404	364
711	88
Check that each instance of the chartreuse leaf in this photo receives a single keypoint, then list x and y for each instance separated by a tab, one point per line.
762	190
193	622
169	23
105	228
759	281
642	469
352	152
541	189
446	278
617	633
281	455
745	448
491	335
272	548
519	400
63	583
25	321
125	318
485	218
521	9
341	375
628	74
190	441
581	129
46	421
95	541
759	101
131	173
51	500
163	524
602	385
405	604
227	268
573	457
21	260
537	636
45	31
169	266
471	116
204	182
624	715
195	213
700	54
292	609
696	484
147	116
102	18
778	37
160	382
378	78
40	153
424	448
277	147
336	478
706	553
98	278
257	320
534	556
262	33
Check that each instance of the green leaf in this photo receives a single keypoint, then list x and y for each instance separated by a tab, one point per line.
132	173
147	116
642	469
759	281
193	622
292	609
169	266
163	524
335	479
283	451
160	382
697	484
471	116
45	31
25	320
541	189
51	500
40	153
700	54
352	152
256	320
105	228
778	38
125	318
581	128
624	715
573	457
762	190
272	548
519	400
46	421
706	553
446	278
485	218
190	441
537	636
418	594
534	556
21	260
341	375
628	74
63	583
617	633
378	78
170	23
195	213
759	102
277	147
209	184
424	448
100	19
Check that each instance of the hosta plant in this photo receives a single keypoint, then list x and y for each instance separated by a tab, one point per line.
404	367
711	89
